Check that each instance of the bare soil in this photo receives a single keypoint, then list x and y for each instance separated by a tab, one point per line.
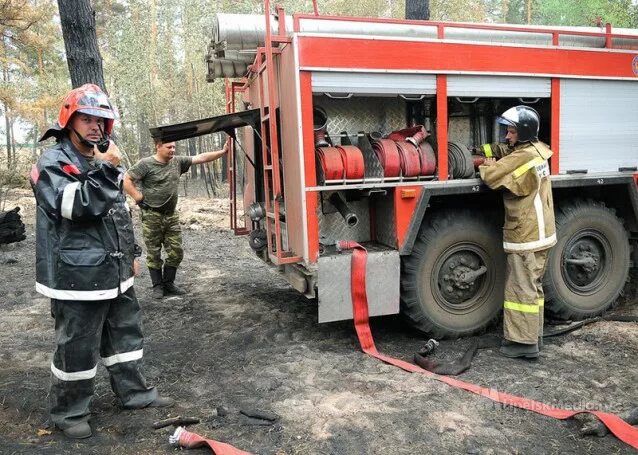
242	338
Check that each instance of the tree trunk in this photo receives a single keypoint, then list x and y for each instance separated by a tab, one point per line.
77	18
417	10
7	123
192	152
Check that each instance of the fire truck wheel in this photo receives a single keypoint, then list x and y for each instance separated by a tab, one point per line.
588	267
452	283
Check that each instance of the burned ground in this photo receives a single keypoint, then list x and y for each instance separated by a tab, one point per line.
242	338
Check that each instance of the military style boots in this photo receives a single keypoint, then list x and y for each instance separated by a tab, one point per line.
519	350
169	281
158	285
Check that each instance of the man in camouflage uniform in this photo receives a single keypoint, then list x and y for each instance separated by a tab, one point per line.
522	172
158	178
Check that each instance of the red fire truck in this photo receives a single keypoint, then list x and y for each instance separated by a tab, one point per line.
362	129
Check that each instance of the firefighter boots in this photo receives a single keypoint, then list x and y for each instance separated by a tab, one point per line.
169	281
156	279
80	431
161	402
519	350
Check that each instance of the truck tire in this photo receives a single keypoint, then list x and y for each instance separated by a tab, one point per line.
591	233
435	297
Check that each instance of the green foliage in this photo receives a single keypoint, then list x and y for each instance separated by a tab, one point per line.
620	13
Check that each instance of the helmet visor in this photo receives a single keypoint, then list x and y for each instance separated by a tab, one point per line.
506	122
98	112
97	104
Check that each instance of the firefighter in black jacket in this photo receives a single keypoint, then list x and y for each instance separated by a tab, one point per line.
85	262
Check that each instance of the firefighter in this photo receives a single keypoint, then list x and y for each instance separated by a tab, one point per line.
85	262
158	177
520	168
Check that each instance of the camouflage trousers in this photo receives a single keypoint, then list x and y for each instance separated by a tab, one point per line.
159	229
524	298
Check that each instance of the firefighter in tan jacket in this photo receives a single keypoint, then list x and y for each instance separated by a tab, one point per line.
521	170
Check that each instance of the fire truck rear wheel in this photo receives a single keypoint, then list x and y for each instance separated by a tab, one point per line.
588	267
437	297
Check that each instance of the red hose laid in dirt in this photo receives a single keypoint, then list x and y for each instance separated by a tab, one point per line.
353	163
388	154
410	160
331	162
188	440
621	429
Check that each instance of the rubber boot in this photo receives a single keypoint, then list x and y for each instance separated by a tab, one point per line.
80	431
156	279
519	350
169	281
161	402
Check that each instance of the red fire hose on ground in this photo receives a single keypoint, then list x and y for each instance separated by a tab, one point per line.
621	429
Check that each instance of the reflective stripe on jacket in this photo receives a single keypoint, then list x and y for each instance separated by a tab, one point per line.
523	171
84	233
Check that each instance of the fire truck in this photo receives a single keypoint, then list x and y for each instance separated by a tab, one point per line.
347	128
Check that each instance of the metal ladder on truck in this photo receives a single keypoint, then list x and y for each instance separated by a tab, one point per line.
231	89
270	139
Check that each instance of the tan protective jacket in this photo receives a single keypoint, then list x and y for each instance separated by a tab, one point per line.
529	209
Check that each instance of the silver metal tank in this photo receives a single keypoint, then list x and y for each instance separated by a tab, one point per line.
237	36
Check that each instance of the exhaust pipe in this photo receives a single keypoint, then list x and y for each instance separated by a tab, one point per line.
348	215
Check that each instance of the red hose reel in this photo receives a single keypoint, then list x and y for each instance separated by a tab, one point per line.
342	161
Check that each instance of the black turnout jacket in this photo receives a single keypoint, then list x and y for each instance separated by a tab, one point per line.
85	245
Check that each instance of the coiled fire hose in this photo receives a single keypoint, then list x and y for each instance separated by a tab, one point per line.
342	161
402	135
331	162
428	159
410	160
621	429
388	155
353	163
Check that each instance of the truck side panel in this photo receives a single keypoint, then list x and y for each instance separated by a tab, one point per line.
290	131
599	127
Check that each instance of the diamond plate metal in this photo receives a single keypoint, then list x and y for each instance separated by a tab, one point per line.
460	130
362	114
384	221
335	301
374	170
332	226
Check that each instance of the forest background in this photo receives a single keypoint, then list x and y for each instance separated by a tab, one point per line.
154	60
